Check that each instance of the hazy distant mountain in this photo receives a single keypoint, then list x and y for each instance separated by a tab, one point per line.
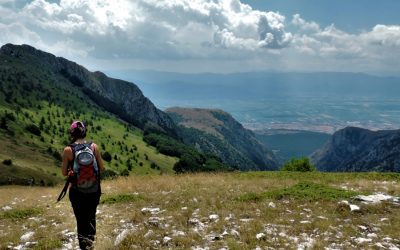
216	132
260	84
357	149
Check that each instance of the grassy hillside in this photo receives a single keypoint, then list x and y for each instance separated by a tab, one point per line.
36	108
279	210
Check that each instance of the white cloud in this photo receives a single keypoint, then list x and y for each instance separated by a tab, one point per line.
226	32
271	31
225	24
384	35
367	51
17	33
71	49
304	25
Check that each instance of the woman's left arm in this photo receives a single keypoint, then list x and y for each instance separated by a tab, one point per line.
98	158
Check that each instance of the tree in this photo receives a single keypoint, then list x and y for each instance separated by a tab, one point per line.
3	123
298	164
106	156
7	162
32	128
125	172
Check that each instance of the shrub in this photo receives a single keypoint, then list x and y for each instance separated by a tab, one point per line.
3	123
57	155
299	165
120	198
106	156
32	128
10	116
129	165
7	162
108	174
154	166
125	172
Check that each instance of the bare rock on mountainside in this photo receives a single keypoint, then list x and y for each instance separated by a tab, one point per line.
358	149
117	96
217	132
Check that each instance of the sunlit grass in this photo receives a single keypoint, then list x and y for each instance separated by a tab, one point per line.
204	210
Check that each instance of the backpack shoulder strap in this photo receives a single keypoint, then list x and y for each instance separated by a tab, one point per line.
89	144
72	146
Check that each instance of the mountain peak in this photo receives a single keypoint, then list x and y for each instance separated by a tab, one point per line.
24	49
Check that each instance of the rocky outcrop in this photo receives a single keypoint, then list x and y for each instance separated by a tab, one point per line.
122	98
217	132
357	149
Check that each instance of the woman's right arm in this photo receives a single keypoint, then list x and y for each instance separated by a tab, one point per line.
67	157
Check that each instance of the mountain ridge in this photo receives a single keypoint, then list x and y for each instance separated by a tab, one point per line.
101	89
357	149
257	84
37	105
216	131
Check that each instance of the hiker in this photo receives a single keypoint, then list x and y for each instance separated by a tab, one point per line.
82	164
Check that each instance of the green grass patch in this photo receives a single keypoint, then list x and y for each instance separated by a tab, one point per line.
19	175
254	197
305	191
328	177
20	213
111	199
48	244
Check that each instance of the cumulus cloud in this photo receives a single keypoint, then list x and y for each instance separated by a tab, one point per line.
382	40
383	35
17	33
271	31
226	24
304	25
188	30
331	49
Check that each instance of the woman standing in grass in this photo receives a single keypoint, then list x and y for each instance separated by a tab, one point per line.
83	164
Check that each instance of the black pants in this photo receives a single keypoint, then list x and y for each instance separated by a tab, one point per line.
85	206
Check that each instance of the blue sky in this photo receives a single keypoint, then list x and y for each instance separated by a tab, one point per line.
211	35
348	15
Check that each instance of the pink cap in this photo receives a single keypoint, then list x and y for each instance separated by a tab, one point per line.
74	125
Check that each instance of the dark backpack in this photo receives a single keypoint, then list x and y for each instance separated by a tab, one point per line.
86	171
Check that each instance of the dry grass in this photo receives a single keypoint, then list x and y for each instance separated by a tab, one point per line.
203	210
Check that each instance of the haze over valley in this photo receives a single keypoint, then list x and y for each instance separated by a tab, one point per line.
318	102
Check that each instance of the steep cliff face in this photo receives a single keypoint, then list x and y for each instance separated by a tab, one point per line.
217	132
357	149
120	97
